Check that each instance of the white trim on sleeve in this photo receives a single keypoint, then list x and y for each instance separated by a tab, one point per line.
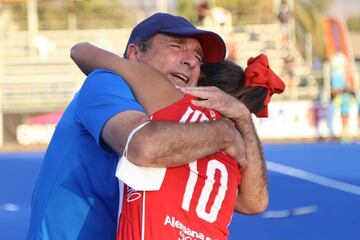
139	178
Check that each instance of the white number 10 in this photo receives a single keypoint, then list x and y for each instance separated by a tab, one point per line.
212	166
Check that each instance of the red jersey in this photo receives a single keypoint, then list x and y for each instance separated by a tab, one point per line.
195	201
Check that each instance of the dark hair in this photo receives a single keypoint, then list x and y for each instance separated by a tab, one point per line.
230	78
143	44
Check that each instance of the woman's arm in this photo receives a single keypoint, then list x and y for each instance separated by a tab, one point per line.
253	196
151	88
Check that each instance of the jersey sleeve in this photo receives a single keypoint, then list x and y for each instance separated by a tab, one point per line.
103	95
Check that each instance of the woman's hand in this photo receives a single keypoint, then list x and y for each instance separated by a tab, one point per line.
216	99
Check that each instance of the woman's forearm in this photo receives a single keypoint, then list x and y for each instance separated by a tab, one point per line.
152	89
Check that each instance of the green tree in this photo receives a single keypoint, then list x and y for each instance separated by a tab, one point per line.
186	9
353	23
54	14
322	6
244	11
98	13
309	19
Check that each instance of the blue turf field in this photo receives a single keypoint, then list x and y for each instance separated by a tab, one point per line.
314	194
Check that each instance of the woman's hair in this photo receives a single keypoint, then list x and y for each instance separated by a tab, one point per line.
230	78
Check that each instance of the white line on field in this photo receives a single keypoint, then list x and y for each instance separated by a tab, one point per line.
311	177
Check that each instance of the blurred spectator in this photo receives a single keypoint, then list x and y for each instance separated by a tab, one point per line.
288	71
338	69
216	18
344	100
318	112
289	64
285	13
330	115
231	48
284	16
203	11
44	46
285	40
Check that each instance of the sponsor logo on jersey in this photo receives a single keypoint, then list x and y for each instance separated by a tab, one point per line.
132	195
185	233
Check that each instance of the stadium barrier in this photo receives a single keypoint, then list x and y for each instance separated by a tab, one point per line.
287	120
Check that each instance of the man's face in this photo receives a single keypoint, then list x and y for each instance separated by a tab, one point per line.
178	58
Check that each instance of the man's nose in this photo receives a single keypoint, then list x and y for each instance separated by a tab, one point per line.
189	58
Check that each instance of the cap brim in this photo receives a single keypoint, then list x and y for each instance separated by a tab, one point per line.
212	44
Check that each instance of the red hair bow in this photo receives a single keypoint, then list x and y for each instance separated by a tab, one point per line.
259	74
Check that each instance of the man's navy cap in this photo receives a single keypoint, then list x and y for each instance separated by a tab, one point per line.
211	43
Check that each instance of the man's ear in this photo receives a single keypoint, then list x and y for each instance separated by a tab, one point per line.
133	52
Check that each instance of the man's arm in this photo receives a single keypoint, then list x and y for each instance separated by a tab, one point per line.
168	144
253	196
160	143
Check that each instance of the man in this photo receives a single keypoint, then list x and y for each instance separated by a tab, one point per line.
76	194
152	213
